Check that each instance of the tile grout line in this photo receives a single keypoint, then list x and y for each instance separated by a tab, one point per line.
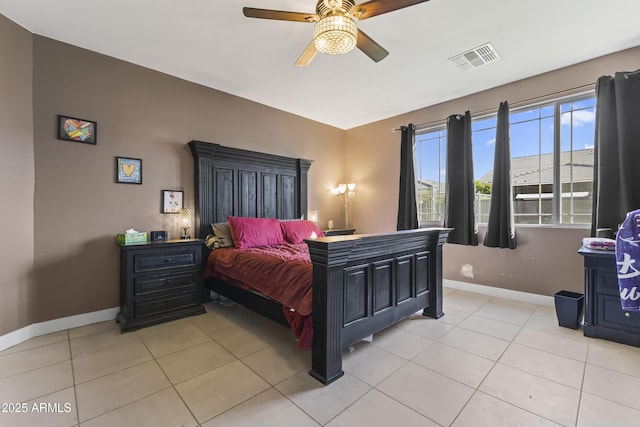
173	386
511	342
584	373
271	386
73	379
38	367
495	363
404	404
153	358
69	360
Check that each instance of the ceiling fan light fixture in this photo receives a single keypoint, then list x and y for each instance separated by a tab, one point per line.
335	34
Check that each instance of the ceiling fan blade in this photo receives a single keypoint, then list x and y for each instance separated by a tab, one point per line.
370	47
308	55
378	7
281	15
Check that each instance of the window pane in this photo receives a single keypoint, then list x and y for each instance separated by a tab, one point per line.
576	160
484	142
523	116
487	123
532	169
430	171
548	111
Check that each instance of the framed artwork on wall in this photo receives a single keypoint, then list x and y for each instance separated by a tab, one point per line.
171	201
77	130
128	170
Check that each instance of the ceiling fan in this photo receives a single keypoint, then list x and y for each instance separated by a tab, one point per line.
336	31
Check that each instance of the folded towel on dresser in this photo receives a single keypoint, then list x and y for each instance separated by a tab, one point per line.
599	243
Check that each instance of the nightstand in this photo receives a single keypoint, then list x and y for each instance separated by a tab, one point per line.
339	231
159	281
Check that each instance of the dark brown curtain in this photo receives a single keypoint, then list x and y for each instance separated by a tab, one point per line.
501	232
616	177
407	206
460	188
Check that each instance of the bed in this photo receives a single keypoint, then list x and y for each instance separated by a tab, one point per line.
361	284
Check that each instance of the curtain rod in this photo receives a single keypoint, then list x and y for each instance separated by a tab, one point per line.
631	74
532	101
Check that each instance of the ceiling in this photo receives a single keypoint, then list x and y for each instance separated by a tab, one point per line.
210	42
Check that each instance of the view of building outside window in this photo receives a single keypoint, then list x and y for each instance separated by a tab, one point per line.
430	175
551	164
576	140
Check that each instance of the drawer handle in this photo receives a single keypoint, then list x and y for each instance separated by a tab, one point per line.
627	314
167	260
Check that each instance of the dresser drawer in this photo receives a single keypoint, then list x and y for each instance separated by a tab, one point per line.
151	284
608	283
151	262
151	307
612	315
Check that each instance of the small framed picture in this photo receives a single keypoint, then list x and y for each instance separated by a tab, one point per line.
171	201
78	130
128	170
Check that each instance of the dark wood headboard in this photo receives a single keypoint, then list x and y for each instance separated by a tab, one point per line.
235	182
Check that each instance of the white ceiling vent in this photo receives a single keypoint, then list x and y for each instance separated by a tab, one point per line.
475	57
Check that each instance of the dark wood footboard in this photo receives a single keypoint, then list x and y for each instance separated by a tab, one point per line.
365	283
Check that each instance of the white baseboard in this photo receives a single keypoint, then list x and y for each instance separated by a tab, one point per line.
499	292
55	325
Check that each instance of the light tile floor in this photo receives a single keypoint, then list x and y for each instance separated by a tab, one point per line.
487	362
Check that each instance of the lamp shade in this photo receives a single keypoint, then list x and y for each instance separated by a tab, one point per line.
335	34
185	218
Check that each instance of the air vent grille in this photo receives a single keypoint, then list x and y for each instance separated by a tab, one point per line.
475	57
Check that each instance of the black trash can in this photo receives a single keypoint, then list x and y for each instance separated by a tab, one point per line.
569	306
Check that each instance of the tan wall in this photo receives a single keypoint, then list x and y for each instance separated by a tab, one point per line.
147	115
16	175
546	259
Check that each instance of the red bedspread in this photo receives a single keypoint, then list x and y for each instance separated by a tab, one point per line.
281	272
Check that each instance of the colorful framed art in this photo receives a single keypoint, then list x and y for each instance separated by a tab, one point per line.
128	170
77	130
171	201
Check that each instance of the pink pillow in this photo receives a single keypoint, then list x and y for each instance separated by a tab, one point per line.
297	231
253	232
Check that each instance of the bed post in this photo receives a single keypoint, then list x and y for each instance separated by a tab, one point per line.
203	153
328	296
303	166
435	297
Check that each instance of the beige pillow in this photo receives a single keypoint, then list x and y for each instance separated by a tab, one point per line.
223	233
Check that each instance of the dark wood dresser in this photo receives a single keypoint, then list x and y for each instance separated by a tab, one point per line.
160	281
604	317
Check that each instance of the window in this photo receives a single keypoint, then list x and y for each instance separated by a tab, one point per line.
483	136
430	175
532	164
577	119
551	164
